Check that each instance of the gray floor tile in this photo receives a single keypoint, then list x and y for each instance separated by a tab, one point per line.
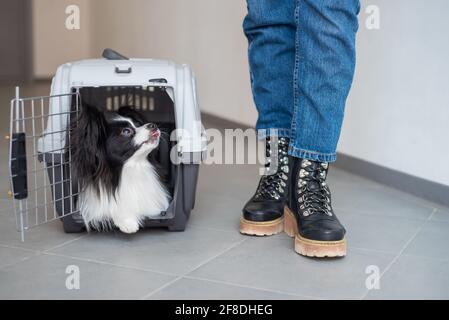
159	250
338	177
237	181
44	277
4	187
271	263
6	206
38	238
222	207
199	289
377	232
415	199
217	212
380	201
441	214
9	256
412	277
432	241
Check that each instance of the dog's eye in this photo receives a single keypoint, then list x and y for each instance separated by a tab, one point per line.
127	132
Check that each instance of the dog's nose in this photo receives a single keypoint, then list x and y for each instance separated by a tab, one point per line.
150	126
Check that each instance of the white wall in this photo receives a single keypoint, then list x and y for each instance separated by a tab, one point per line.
206	34
398	111
53	44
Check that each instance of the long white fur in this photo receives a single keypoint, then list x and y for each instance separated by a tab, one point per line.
140	193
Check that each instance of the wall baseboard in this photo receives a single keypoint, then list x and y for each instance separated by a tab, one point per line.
218	121
419	187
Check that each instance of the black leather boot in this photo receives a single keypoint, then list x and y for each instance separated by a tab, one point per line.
263	213
309	216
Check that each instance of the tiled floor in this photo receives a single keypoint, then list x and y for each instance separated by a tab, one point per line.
405	237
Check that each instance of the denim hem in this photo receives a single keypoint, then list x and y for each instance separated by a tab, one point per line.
277	132
312	155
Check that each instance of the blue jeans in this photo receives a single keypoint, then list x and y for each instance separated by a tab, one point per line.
302	59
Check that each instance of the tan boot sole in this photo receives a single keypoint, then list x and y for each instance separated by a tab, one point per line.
266	228
308	247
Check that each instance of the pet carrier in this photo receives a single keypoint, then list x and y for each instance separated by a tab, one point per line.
43	188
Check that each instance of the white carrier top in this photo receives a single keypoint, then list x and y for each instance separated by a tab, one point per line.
180	86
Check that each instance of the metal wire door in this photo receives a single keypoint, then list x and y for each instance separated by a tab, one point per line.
42	188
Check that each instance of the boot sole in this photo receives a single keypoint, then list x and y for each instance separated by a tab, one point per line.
266	228
308	247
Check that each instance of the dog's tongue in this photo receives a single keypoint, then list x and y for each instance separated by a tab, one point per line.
153	136
155	133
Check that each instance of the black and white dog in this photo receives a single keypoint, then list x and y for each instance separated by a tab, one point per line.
118	180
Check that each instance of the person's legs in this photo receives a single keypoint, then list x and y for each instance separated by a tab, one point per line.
320	70
324	68
270	27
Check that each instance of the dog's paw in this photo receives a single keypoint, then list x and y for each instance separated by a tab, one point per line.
128	226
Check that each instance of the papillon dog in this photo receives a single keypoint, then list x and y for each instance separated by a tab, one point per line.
119	183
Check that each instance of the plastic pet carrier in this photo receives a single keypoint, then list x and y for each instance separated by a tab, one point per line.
43	188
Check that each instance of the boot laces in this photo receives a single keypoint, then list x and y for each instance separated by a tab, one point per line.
313	192
272	186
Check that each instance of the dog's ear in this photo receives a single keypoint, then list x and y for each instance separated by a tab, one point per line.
134	115
88	136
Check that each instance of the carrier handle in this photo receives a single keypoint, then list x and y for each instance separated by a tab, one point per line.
110	54
19	165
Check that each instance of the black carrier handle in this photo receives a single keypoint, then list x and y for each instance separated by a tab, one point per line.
110	54
19	165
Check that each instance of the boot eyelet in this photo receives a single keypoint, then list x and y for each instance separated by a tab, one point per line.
305	163
303	173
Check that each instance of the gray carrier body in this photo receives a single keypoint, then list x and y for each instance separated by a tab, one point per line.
163	91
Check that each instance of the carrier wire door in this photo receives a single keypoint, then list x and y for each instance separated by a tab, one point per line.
41	182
